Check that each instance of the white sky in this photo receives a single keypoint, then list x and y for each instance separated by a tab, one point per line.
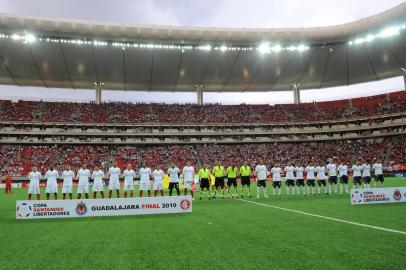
217	13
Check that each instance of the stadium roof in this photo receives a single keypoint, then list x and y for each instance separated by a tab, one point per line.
75	54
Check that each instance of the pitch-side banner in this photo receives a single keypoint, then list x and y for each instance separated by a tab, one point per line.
103	207
378	195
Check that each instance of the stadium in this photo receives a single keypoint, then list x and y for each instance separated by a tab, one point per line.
256	185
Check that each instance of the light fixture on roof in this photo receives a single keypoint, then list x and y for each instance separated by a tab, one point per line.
30	38
15	37
389	32
302	48
264	48
276	48
223	48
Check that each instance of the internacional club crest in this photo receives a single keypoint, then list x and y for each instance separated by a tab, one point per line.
185	204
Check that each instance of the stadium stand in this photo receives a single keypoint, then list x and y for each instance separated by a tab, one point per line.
58	133
17	160
116	112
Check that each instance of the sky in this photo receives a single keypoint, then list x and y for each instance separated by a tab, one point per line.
212	13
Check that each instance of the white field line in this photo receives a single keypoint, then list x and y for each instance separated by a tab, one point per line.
328	218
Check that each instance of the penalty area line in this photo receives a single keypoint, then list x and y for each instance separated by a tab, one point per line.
328	218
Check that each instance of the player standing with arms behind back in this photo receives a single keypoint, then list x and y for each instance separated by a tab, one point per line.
52	176
83	187
158	176
289	178
332	176
343	173
129	175
188	177
261	173
33	188
276	180
114	180
366	174
321	177
299	179
378	170
97	177
67	176
356	175
310	178
173	173
145	177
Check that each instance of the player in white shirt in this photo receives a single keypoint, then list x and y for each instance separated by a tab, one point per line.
83	175
33	188
356	174
114	180
343	173
332	176
310	178
321	177
158	176
299	179
173	173
188	174
67	176
366	174
276	179
129	175
98	176
261	173
289	178
378	170
145	178
52	176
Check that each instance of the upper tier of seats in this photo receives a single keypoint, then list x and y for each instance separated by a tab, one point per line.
116	112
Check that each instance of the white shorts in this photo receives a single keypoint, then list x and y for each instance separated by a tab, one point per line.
128	185
67	189
114	184
83	188
97	186
158	185
145	186
187	185
52	188
33	189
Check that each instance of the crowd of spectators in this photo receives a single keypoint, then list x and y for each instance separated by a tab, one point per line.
116	112
18	159
163	156
346	151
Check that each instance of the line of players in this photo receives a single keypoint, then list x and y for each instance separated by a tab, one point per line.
294	179
326	177
83	176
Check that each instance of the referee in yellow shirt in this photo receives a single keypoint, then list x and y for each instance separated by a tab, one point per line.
232	172
218	171
204	179
245	172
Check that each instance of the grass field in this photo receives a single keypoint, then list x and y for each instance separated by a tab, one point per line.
218	234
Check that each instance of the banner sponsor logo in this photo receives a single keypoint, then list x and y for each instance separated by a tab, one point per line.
103	207
378	195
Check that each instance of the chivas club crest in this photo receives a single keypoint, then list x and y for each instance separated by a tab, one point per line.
81	208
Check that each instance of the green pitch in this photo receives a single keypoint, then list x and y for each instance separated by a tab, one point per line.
219	234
